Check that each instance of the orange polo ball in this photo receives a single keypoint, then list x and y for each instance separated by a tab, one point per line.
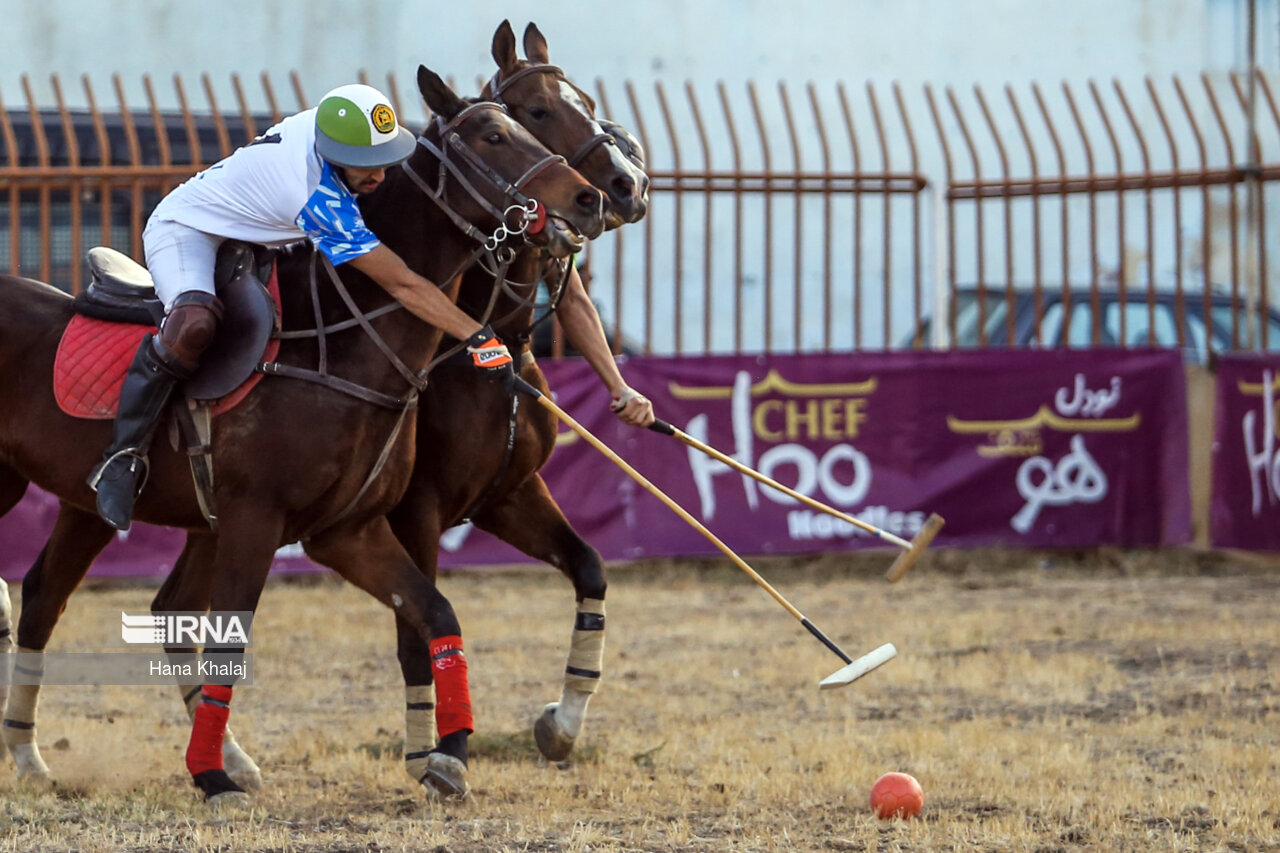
896	795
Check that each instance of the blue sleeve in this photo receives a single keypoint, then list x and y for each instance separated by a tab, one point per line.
331	218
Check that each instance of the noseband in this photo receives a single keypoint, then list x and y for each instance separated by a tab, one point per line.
529	216
497	87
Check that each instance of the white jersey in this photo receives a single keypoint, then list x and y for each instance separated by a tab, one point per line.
273	191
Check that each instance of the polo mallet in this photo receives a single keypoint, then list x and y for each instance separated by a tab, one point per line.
911	551
853	669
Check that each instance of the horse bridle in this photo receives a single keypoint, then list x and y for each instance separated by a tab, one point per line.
530	218
529	215
497	87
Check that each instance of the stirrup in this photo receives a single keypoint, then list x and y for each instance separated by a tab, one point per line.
96	476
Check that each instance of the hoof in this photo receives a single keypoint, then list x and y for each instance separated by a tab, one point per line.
31	767
243	771
216	783
446	777
552	742
228	801
36	779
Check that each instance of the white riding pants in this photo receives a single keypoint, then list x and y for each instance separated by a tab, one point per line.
179	258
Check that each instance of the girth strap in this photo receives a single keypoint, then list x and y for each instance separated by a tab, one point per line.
513	424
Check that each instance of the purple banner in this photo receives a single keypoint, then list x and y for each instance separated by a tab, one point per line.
1244	509
1026	449
1039	449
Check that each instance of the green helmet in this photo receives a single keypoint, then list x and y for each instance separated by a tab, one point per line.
356	127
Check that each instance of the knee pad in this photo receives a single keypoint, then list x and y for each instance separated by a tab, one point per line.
188	330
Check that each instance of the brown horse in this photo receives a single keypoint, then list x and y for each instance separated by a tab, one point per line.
291	461
491	475
496	444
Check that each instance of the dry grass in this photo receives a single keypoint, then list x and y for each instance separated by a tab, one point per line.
1103	702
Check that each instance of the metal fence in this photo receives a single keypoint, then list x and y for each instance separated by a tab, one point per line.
798	218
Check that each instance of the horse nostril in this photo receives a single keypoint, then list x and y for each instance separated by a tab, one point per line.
644	186
590	201
624	187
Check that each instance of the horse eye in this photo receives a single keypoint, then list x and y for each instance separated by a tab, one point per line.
538	113
494	138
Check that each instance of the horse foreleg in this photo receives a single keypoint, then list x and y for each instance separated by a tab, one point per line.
188	588
415	523
529	519
247	540
370	557
77	539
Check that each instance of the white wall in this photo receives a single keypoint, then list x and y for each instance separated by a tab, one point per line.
913	42
991	41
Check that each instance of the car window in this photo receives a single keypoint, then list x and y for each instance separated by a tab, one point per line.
993	323
1080	331
1050	326
1195	336
1222	330
1137	325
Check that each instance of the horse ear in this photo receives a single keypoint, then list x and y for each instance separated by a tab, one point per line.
504	47
535	45
439	97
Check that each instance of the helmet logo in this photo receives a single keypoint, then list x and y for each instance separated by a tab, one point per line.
383	118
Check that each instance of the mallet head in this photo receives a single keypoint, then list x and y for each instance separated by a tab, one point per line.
851	672
908	558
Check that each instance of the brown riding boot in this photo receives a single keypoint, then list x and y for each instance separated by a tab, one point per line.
160	364
148	385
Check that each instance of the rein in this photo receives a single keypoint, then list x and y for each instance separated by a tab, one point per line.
526	211
524	208
492	245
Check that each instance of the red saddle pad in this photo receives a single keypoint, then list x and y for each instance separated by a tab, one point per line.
94	355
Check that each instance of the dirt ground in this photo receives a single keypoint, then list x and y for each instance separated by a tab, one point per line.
1045	701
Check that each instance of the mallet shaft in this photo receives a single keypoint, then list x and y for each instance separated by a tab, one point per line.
582	431
667	429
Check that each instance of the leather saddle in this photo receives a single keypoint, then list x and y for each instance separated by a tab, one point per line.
122	292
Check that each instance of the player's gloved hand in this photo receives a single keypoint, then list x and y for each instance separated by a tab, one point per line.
633	407
491	356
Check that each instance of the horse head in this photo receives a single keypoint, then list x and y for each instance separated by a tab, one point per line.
512	184
562	117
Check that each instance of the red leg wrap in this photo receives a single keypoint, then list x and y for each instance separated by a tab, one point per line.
453	695
204	752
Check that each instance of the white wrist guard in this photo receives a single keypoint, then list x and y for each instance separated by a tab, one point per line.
617	404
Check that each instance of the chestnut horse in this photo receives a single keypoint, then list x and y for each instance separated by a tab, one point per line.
292	461
496	444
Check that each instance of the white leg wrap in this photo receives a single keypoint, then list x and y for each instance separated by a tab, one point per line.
419	728
586	660
6	634
20	722
240	766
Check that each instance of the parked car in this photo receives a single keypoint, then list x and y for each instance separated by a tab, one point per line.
1198	331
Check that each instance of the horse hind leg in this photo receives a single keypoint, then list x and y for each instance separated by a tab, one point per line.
6	638
248	535
12	488
188	588
529	519
77	539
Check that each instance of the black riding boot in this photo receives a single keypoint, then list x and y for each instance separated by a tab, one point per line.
148	384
